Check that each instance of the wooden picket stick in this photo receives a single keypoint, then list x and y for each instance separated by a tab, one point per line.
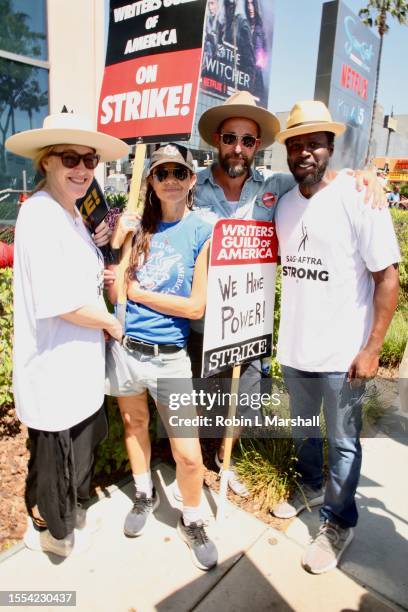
225	472
136	181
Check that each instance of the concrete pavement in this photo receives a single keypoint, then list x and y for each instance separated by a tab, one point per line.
259	567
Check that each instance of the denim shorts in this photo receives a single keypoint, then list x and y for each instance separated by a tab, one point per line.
156	373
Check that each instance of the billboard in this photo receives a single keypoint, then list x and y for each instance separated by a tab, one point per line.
345	79
238	37
152	70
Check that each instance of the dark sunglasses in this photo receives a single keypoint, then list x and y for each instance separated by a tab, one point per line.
179	173
70	159
232	139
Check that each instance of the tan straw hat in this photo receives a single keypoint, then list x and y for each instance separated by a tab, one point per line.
307	117
240	104
66	128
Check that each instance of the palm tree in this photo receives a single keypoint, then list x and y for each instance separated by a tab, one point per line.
376	13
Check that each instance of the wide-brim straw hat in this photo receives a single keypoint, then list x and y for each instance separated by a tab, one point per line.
240	104
68	129
307	117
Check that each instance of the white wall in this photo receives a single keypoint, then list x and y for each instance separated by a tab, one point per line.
76	54
76	46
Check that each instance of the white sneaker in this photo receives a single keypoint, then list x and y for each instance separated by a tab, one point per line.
234	482
327	548
304	497
75	542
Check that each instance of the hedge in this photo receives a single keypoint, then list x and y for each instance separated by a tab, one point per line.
9	424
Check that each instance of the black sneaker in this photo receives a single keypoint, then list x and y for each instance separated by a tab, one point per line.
203	550
143	506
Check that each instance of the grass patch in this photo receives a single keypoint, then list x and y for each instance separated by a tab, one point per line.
268	467
395	340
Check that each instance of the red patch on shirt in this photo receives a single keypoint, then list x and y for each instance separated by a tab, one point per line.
268	199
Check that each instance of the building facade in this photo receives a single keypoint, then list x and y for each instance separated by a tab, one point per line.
51	55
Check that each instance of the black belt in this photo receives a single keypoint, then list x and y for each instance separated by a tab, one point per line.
131	344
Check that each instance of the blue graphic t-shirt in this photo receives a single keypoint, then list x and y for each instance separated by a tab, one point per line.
169	269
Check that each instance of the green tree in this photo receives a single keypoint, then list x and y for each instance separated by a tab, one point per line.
376	14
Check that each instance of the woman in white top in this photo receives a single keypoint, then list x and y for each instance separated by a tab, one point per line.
59	320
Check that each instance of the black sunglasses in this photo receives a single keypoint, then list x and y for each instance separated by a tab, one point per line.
70	159
180	173
231	139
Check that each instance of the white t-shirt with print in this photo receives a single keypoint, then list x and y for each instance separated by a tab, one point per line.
329	244
59	367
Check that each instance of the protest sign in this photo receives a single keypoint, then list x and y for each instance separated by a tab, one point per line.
241	283
93	206
153	61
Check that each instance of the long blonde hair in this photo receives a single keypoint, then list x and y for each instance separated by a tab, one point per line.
38	165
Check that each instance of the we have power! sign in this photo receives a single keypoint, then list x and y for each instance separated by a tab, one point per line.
241	289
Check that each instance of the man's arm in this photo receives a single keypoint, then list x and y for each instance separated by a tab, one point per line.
365	364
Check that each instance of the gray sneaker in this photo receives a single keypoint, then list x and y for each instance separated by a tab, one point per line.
325	551
203	550
143	506
302	498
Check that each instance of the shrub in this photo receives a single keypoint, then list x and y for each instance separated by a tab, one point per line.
400	218
111	455
395	340
268	467
275	370
9	423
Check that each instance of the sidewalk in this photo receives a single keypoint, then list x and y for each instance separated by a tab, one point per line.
259	567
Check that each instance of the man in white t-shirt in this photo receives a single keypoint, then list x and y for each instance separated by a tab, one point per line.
339	292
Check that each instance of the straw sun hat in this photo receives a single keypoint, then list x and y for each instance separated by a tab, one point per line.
307	117
66	128
240	104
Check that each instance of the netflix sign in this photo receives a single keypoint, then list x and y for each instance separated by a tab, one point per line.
345	79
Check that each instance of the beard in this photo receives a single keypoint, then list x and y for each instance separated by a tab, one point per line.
235	166
313	176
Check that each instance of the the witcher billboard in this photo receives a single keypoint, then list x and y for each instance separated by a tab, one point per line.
237	47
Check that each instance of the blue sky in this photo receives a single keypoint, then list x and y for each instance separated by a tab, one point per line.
295	49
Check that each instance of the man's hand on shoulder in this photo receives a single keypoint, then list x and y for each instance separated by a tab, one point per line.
374	191
364	366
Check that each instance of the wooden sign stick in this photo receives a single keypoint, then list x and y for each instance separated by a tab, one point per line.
136	181
232	409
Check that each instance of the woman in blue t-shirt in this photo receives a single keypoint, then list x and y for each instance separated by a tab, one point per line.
166	286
